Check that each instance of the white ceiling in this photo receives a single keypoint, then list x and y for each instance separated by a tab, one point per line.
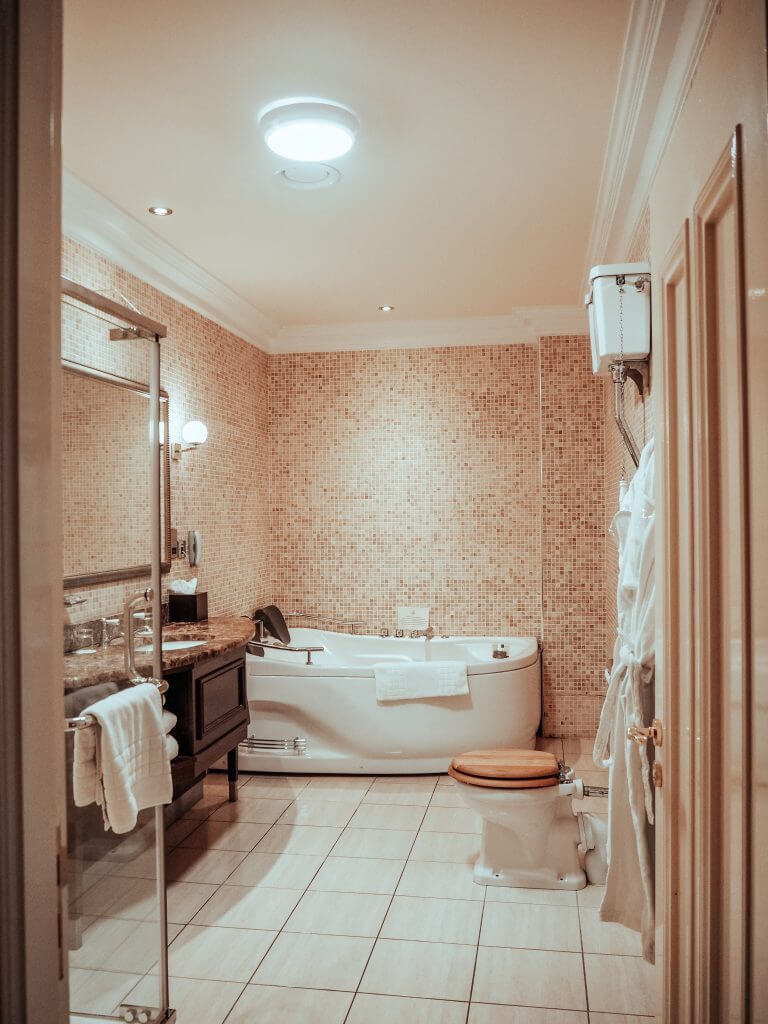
470	192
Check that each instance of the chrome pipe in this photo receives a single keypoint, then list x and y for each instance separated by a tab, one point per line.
155	597
595	790
619	377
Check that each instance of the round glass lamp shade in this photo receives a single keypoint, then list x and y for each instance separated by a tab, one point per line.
311	130
194	432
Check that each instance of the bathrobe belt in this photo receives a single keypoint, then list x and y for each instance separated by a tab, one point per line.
627	677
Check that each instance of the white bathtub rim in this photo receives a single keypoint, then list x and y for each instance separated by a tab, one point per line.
282	663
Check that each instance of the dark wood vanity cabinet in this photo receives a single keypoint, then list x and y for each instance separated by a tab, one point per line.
210	703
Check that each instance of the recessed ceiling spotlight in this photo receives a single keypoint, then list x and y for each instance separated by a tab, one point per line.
308	129
161	211
386	309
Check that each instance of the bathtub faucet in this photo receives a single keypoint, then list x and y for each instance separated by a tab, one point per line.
427	633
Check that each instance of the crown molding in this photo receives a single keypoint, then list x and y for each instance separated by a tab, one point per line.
694	32
662	49
643	26
524	325
92	219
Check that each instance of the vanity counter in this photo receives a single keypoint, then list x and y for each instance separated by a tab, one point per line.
220	634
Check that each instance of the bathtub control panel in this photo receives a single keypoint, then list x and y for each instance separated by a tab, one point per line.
409	617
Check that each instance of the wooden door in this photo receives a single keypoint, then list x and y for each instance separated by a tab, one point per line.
705	691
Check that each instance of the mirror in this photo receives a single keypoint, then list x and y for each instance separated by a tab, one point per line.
105	477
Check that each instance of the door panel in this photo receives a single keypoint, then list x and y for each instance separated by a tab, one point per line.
703	694
676	671
720	524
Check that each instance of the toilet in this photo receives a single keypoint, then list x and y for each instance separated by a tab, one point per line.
531	835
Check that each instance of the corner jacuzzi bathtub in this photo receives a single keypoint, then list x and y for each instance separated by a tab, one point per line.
324	717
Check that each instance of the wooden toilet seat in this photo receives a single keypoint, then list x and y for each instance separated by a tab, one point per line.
506	768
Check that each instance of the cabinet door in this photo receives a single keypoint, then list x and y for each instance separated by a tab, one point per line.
220	702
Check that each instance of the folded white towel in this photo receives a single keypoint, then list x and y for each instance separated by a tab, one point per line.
414	680
172	747
122	763
169	720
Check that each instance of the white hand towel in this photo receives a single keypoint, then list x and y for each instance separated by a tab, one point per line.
172	747
415	680
169	720
122	763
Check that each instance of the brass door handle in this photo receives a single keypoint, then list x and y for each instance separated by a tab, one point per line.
640	734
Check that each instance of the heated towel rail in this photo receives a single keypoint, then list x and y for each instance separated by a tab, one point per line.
86	721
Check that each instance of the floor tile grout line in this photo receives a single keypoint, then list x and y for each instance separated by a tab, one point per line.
211	895
406	861
389	905
280	931
223	882
583	963
477	954
301	893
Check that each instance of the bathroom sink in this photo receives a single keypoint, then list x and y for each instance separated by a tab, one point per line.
173	645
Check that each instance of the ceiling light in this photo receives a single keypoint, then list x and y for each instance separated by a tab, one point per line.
386	309
306	129
309	175
161	211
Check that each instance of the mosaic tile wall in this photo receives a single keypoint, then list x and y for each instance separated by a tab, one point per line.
409	477
573	537
348	483
220	488
413	477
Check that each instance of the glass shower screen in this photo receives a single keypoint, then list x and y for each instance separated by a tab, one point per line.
116	926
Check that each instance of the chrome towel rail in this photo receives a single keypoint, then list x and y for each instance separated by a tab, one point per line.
86	721
269	645
297	745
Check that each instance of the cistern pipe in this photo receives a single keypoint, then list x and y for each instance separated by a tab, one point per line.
619	377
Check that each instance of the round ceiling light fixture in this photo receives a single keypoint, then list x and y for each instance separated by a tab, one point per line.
161	211
309	176
304	129
386	308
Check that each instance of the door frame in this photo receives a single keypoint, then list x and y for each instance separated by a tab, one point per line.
34	989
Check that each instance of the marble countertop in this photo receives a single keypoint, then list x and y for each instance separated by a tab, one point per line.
222	633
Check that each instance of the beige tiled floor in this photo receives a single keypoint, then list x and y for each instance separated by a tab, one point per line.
350	900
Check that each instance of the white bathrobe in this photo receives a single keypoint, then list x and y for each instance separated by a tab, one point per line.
629	895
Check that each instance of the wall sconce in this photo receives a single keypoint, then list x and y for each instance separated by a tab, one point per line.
194	434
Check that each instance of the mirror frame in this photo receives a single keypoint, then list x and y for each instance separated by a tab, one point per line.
114	575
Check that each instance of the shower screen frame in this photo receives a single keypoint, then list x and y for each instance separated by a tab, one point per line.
143	327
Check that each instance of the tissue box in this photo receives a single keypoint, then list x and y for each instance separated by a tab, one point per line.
188	607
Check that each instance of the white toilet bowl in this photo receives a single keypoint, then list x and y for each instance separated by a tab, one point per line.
530	836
